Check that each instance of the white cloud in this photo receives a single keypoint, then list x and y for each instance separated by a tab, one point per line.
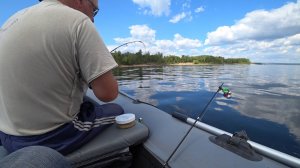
186	43
260	25
186	5
142	32
154	7
284	50
187	16
178	17
178	46
138	32
179	43
293	40
261	36
199	9
186	13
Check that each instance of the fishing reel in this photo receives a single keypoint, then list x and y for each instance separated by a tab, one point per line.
226	92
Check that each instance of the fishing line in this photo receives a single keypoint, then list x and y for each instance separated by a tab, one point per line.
226	93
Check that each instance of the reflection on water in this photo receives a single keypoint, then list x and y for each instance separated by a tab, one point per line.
265	100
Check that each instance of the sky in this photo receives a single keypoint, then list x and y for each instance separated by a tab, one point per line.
266	31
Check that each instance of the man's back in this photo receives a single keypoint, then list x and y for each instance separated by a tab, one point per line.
40	83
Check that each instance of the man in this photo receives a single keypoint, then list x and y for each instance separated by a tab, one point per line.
49	54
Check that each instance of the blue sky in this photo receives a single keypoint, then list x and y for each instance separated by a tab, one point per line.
261	30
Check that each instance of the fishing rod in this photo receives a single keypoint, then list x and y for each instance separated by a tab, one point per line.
125	44
226	93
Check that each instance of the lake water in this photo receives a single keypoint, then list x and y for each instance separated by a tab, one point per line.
265	98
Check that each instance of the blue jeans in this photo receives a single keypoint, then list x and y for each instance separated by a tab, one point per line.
34	157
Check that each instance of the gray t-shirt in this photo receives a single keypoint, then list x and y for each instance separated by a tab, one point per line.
49	53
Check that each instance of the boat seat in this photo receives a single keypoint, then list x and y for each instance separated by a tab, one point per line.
109	146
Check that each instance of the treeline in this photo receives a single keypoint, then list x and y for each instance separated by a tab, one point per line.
158	59
138	58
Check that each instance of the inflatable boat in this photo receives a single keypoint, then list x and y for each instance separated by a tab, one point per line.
156	135
159	139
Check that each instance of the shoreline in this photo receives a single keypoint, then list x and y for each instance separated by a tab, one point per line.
178	64
190	63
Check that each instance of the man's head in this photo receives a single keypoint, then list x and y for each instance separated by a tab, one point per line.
88	7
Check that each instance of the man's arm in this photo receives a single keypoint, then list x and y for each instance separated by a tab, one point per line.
105	87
